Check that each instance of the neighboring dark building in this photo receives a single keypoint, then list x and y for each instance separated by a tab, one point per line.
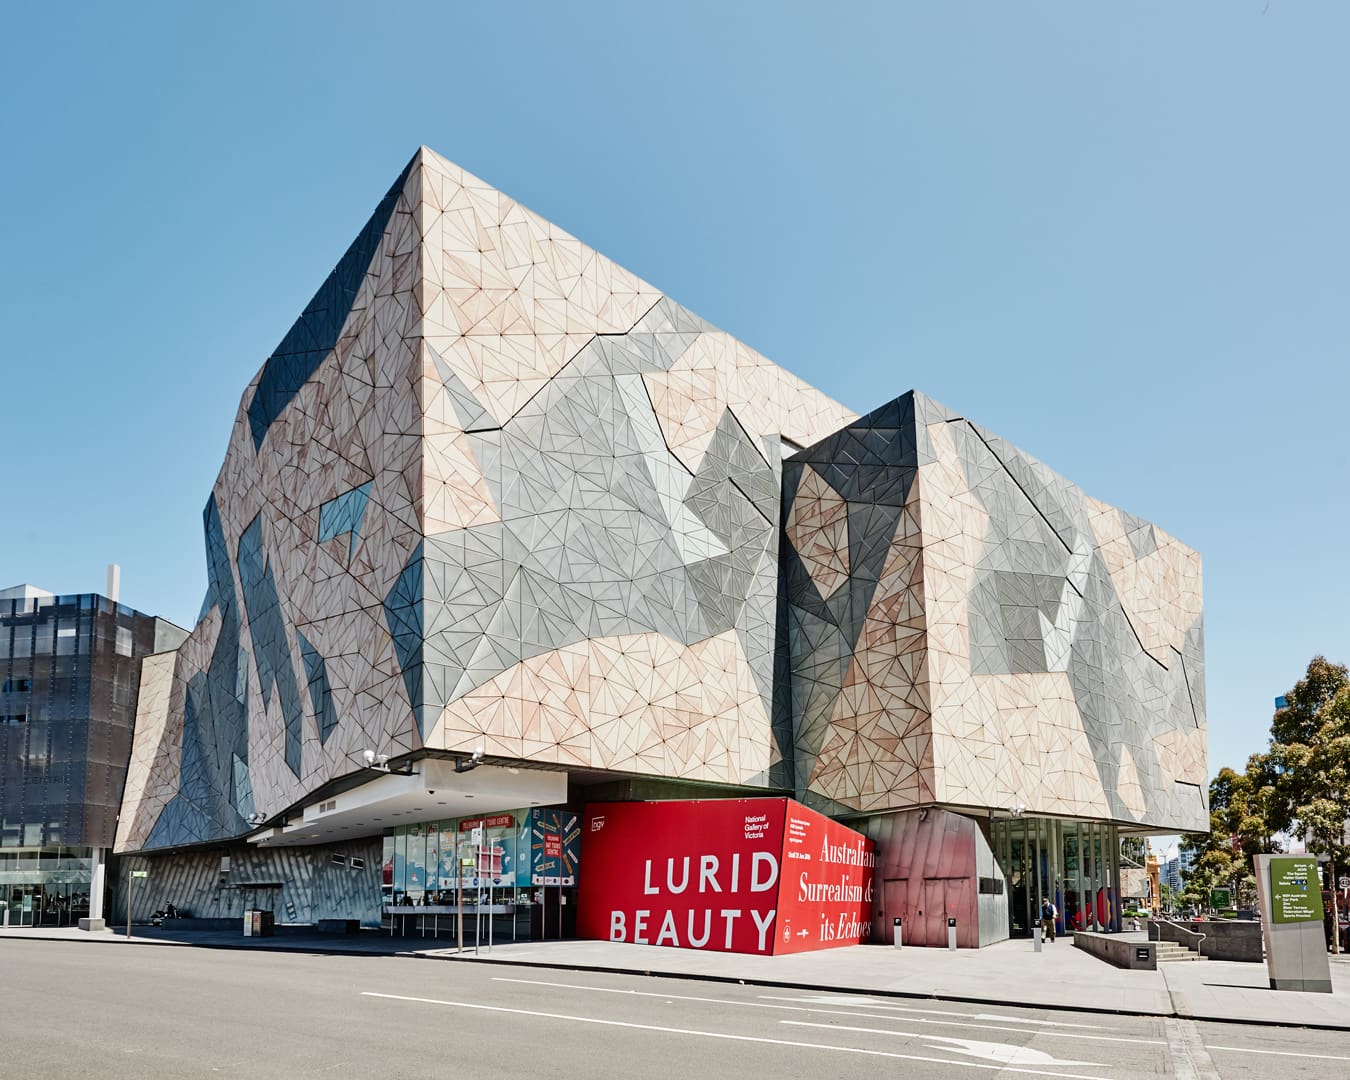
69	676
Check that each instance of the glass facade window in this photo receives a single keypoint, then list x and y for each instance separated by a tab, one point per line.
67	709
429	862
45	886
1075	864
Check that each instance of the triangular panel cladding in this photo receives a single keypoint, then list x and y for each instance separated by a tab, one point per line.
494	490
852	575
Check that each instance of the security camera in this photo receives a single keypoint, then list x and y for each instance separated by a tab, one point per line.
477	754
431	791
369	756
381	760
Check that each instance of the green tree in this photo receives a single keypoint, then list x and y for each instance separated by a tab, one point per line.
1240	812
1310	759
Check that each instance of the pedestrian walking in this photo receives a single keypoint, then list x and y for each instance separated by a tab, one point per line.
1049	913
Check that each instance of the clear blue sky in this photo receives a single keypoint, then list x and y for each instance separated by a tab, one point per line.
1116	235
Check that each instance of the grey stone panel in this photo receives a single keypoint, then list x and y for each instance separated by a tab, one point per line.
1143	540
1058	500
603	532
267	629
732	456
927	411
471	414
320	696
1194	660
666	333
403	615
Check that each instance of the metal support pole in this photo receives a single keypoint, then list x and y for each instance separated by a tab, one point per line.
130	879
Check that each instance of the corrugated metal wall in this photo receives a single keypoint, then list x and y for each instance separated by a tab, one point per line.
313	885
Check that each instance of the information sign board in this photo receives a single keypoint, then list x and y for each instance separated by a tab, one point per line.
1295	890
1221	898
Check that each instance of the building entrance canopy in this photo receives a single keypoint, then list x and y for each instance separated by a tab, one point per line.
435	791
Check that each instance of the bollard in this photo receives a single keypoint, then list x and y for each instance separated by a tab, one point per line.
1036	940
951	933
899	931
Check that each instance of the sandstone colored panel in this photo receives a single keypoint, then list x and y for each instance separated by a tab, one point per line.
1156	577
636	703
139	806
817	527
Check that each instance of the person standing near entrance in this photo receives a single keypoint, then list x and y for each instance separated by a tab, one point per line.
1049	914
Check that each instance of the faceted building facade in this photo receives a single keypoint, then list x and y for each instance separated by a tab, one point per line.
495	503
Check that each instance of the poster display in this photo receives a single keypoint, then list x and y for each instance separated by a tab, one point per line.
555	848
766	876
433	862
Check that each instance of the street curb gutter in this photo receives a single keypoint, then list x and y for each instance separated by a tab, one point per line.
733	980
908	995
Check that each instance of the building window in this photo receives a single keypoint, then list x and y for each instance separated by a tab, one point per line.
65	641
122	645
18	686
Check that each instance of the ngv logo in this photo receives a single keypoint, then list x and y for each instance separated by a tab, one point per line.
597	823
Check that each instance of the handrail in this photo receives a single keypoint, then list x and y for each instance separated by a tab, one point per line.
1175	926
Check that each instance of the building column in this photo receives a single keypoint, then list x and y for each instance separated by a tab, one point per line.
98	865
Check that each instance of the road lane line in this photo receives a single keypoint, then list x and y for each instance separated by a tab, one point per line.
1004	1026
1279	1053
727	1036
874	1003
1008	1053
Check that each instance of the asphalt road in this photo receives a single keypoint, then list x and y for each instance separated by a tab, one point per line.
151	1012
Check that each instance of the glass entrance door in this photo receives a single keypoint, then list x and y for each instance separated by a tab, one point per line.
25	903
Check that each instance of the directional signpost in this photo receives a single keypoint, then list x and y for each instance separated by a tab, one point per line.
1290	889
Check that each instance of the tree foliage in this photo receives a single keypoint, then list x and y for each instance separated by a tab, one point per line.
1299	787
1310	760
1240	807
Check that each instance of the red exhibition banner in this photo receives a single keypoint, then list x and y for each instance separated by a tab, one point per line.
730	875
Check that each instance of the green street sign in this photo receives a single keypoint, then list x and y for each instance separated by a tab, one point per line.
140	873
1295	890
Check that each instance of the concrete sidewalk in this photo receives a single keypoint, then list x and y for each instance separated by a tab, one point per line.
1009	973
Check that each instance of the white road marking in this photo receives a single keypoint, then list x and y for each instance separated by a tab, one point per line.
1004	1052
872	1003
1279	1053
1005	1024
726	1035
